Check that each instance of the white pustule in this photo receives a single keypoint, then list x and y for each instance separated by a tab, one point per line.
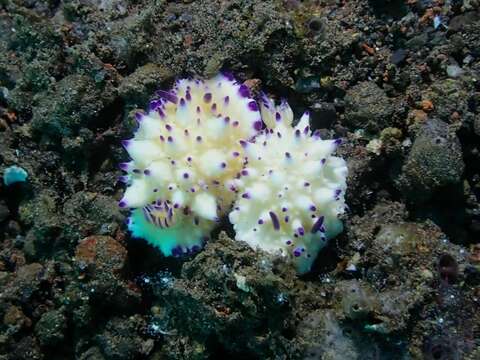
291	188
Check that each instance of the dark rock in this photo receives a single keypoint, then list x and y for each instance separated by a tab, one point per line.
101	253
26	349
51	327
4	212
434	162
368	107
323	115
74	102
120	340
398	56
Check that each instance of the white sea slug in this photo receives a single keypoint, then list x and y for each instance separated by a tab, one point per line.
185	155
291	189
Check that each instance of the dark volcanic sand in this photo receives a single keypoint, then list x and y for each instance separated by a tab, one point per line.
398	80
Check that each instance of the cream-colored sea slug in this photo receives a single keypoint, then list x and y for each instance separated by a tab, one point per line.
185	155
291	189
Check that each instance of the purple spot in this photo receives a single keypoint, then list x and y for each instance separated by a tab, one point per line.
136	171
123	166
297	252
162	138
284	209
207	97
316	134
182	102
125	143
172	162
228	75
286	219
279	134
301	231
167	96
214	107
168	127
195	248
338	141
338	192
235	123
313	208
170	139
275	222
246	195
236	154
189	159
288	242
252	105
257	125
297	133
287	154
260	222
318	224
244	172
122	204
278	117
176	251
161	113
188	96
185	175
226	119
323	161
199	138
243	143
138	116
306	184
123	179
306	130
155	190
147	172
244	91
226	100
223	165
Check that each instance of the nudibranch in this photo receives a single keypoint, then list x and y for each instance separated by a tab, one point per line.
291	191
185	156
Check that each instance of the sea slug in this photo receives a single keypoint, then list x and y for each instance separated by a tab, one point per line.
291	189
185	155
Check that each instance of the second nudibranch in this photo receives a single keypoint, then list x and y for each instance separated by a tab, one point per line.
291	189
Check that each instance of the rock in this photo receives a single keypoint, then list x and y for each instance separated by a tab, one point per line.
73	103
15	317
454	71
357	299
368	107
323	115
476	126
101	253
25	282
398	56
136	87
435	161
323	338
120	340
26	349
51	327
4	212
